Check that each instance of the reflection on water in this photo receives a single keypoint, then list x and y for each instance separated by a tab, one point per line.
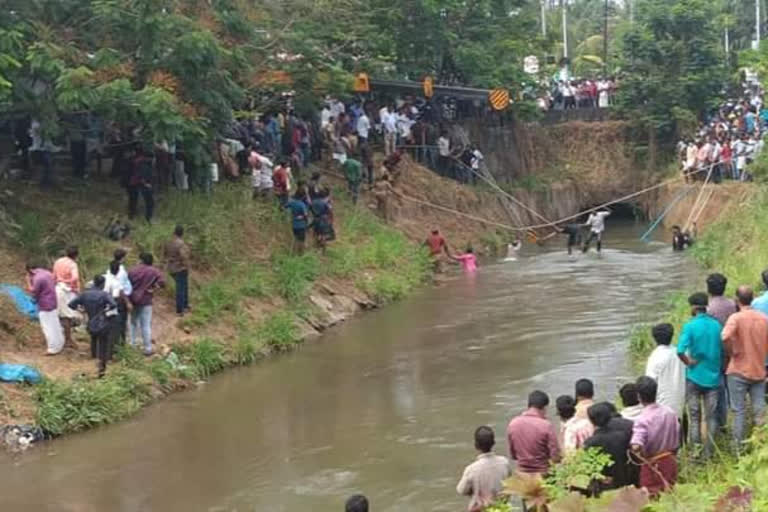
385	405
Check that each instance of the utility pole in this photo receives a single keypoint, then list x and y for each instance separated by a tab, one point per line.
757	22
544	18
605	39
564	5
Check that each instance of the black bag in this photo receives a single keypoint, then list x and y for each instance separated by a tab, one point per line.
98	324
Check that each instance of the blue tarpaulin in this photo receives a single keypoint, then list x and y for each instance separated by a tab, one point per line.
23	302
18	373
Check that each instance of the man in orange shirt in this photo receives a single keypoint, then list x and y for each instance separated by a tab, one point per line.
67	277
745	337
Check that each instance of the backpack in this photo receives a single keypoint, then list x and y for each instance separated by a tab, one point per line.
98	324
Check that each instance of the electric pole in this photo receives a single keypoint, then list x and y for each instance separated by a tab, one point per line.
564	5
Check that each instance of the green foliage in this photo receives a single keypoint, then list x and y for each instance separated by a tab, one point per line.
207	357
72	406
294	274
578	469
278	331
245	350
681	31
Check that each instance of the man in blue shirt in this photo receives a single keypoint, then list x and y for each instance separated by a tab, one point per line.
700	349
299	221
761	303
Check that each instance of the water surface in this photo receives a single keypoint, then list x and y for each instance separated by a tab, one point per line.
385	404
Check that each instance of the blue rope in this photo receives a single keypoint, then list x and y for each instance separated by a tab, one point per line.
658	220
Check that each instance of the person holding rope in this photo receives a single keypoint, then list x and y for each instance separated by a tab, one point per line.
655	440
596	223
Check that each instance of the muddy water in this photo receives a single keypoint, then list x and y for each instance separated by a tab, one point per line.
384	405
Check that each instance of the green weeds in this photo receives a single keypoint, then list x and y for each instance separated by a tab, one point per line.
82	404
278	331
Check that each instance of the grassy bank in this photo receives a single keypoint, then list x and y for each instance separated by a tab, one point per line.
737	246
250	295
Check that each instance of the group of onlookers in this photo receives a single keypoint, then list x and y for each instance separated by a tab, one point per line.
109	301
725	145
568	94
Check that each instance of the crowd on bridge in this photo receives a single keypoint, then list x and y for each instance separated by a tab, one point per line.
728	141
718	364
565	93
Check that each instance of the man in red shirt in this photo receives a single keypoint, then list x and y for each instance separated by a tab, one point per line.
437	245
280	180
532	437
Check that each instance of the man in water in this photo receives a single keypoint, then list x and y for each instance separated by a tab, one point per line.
482	480
514	248
574	235
596	223
437	246
682	240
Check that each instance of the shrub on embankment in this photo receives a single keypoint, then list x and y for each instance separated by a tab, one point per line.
736	246
249	293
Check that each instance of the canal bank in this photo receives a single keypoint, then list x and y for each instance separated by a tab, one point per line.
384	404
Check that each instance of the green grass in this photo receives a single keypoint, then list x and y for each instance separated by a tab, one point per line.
293	275
278	331
82	404
207	357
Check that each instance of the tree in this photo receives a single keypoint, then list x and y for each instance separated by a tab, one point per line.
673	62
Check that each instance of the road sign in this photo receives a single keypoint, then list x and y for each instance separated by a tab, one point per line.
499	98
362	84
531	64
428	87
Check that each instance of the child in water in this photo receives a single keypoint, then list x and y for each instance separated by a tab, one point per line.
468	260
513	249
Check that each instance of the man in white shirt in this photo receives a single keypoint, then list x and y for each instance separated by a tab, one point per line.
325	116
389	121
665	367
482	480
596	223
363	127
443	154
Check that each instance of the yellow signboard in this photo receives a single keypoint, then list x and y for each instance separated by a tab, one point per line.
429	90
499	98
362	84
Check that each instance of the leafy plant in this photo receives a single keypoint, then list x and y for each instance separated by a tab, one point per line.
577	470
207	357
278	331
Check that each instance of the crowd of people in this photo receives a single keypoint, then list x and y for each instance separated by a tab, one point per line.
718	364
729	140
115	307
568	94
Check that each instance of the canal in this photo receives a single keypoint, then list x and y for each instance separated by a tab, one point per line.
385	405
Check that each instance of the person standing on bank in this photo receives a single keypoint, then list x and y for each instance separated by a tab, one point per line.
299	221
745	336
665	367
66	274
720	308
42	287
145	279
482	480
353	173
140	182
102	313
177	264
700	349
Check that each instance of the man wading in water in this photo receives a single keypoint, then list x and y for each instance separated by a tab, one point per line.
596	222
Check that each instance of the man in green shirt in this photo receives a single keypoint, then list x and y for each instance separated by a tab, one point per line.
700	349
353	172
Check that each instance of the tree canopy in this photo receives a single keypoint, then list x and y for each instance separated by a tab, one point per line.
179	69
